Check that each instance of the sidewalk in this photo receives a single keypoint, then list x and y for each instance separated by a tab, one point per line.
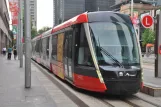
152	85
148	68
150	59
43	93
149	77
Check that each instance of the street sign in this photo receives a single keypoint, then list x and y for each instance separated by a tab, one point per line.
14	37
14	29
135	19
147	21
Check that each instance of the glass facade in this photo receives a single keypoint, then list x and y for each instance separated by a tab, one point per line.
66	9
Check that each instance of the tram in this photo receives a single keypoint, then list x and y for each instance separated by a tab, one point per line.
96	51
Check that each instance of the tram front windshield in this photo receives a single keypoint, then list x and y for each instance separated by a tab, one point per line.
114	43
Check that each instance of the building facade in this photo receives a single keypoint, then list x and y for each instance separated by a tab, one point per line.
33	12
66	9
98	5
5	38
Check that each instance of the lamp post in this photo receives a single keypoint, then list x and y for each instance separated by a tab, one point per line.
27	44
21	33
132	6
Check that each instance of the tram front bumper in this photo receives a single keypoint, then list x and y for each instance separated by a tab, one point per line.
122	87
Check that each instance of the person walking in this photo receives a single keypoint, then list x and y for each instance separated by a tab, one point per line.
9	53
15	53
4	51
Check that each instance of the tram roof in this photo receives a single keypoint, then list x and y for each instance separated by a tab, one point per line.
82	18
37	37
47	33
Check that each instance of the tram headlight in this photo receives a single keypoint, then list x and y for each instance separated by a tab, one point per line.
121	74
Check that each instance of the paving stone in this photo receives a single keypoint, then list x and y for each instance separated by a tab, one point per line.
36	99
50	104
17	104
66	105
12	91
155	100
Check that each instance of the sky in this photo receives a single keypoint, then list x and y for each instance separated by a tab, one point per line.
44	13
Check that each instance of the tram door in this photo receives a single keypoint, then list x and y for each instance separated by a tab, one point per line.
68	55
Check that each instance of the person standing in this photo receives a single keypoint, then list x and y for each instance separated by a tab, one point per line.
15	53
9	53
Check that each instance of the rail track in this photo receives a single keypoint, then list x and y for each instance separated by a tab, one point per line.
84	98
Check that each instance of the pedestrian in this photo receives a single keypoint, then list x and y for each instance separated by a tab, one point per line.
15	53
4	51
9	53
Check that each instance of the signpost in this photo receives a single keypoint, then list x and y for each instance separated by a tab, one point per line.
14	9
158	47
147	21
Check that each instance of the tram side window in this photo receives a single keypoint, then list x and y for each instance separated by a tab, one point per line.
32	47
37	46
47	47
54	47
43	46
84	55
70	34
40	46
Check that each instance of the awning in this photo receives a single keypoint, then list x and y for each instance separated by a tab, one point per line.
128	1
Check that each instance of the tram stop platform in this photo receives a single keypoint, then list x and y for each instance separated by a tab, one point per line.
43	93
152	85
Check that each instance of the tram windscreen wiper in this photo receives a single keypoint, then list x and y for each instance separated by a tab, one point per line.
109	55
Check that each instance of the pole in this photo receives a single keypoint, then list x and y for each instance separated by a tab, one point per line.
21	33
27	44
132	6
18	37
156	46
